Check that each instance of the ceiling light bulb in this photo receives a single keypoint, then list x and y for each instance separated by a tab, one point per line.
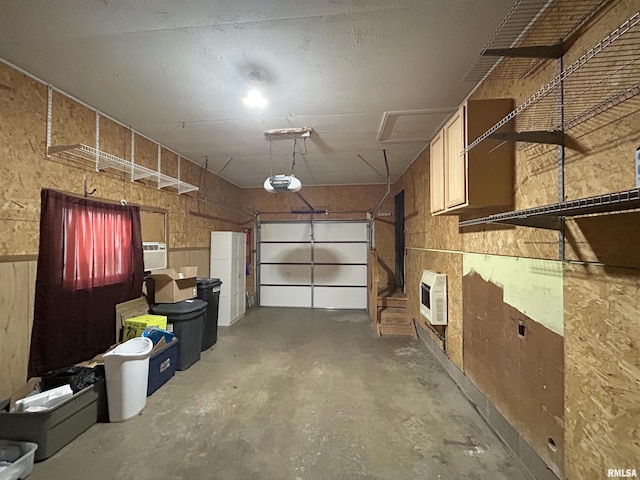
255	99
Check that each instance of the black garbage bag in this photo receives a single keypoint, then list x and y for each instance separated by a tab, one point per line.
78	378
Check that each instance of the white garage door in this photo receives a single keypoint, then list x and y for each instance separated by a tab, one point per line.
313	264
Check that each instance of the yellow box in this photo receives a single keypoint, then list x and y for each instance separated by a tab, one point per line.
134	326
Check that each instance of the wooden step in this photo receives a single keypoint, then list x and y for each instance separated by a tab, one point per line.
407	330
395	321
394	302
394	316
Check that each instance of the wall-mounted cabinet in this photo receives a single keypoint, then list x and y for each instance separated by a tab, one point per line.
461	180
436	167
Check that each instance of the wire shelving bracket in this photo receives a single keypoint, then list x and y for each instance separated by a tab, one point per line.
522	49
605	76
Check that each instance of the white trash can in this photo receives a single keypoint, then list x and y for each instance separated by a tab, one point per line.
127	371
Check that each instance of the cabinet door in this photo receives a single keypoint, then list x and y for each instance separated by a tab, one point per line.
436	162
455	164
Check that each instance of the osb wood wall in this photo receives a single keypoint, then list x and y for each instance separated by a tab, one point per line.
25	170
601	311
602	380
431	243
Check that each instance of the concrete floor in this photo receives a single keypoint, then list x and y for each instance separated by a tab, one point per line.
302	395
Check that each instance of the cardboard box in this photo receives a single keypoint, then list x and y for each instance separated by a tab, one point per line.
133	327
126	310
172	286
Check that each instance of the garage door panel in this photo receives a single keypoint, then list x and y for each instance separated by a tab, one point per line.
340	232
285	274
276	296
285	253
355	275
335	259
340	297
340	253
285	232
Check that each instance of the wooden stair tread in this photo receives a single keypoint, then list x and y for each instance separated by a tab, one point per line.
392	301
397	321
397	330
393	310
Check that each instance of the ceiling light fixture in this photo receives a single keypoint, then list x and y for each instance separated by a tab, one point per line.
254	98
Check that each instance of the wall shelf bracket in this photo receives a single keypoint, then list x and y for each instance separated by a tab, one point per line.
539	51
553	137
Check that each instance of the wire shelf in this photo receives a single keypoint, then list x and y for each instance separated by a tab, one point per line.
105	160
605	76
556	21
548	216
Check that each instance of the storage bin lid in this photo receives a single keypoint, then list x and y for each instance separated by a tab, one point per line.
173	310
204	282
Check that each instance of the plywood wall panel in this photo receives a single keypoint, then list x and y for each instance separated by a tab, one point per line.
536	178
605	239
511	241
608	161
355	199
114	138
72	123
523	378
424	230
451	265
169	163
192	174
14	325
146	153
22	144
602	381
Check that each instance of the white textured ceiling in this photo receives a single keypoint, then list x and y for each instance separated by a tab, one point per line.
364	74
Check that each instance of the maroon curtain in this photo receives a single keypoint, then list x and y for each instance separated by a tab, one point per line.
89	260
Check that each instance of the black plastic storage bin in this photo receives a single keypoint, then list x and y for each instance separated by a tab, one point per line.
185	319
209	291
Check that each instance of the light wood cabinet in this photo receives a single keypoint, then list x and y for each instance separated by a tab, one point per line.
482	177
436	168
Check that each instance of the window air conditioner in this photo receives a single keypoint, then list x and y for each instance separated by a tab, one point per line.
155	255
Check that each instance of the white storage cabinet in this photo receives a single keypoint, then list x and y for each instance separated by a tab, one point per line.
228	263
